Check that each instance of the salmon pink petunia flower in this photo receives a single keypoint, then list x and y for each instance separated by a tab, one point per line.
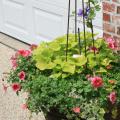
109	67
5	88
76	109
96	82
22	75
16	87
93	49
112	82
24	106
24	53
14	62
112	97
111	43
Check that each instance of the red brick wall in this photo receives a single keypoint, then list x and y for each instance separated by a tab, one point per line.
111	19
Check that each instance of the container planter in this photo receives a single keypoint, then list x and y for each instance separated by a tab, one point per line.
76	74
79	92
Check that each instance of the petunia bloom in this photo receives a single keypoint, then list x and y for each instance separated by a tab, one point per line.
22	75
88	77
76	109
14	62
24	106
24	53
5	88
93	49
109	67
111	43
112	81
112	97
96	82
16	87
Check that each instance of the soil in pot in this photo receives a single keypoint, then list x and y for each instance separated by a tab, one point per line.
55	115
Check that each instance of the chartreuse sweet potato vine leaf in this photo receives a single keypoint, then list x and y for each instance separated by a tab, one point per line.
68	67
51	56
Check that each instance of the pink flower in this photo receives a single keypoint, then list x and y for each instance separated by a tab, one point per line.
111	43
21	75
33	46
24	106
24	53
112	97
93	49
13	58
96	82
88	76
5	88
76	109
109	67
14	62
16	87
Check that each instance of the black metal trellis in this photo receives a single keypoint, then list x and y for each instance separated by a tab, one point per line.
75	20
79	41
68	28
92	31
77	30
84	29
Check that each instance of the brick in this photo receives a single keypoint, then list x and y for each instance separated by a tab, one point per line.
106	35
118	9
116	1
116	20
106	17
109	7
118	30
109	27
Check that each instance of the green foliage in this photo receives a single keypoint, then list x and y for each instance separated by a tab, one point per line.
53	83
51	56
92	111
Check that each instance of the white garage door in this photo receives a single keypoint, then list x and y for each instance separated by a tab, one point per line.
34	20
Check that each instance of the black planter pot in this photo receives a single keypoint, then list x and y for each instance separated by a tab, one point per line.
55	115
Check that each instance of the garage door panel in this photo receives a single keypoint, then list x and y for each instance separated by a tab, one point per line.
59	3
49	7
18	2
13	17
48	23
33	21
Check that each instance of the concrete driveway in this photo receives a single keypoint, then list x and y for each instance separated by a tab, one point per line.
10	103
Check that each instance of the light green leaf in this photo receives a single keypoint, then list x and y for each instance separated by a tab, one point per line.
106	62
102	111
44	65
56	75
41	65
101	70
67	67
81	60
